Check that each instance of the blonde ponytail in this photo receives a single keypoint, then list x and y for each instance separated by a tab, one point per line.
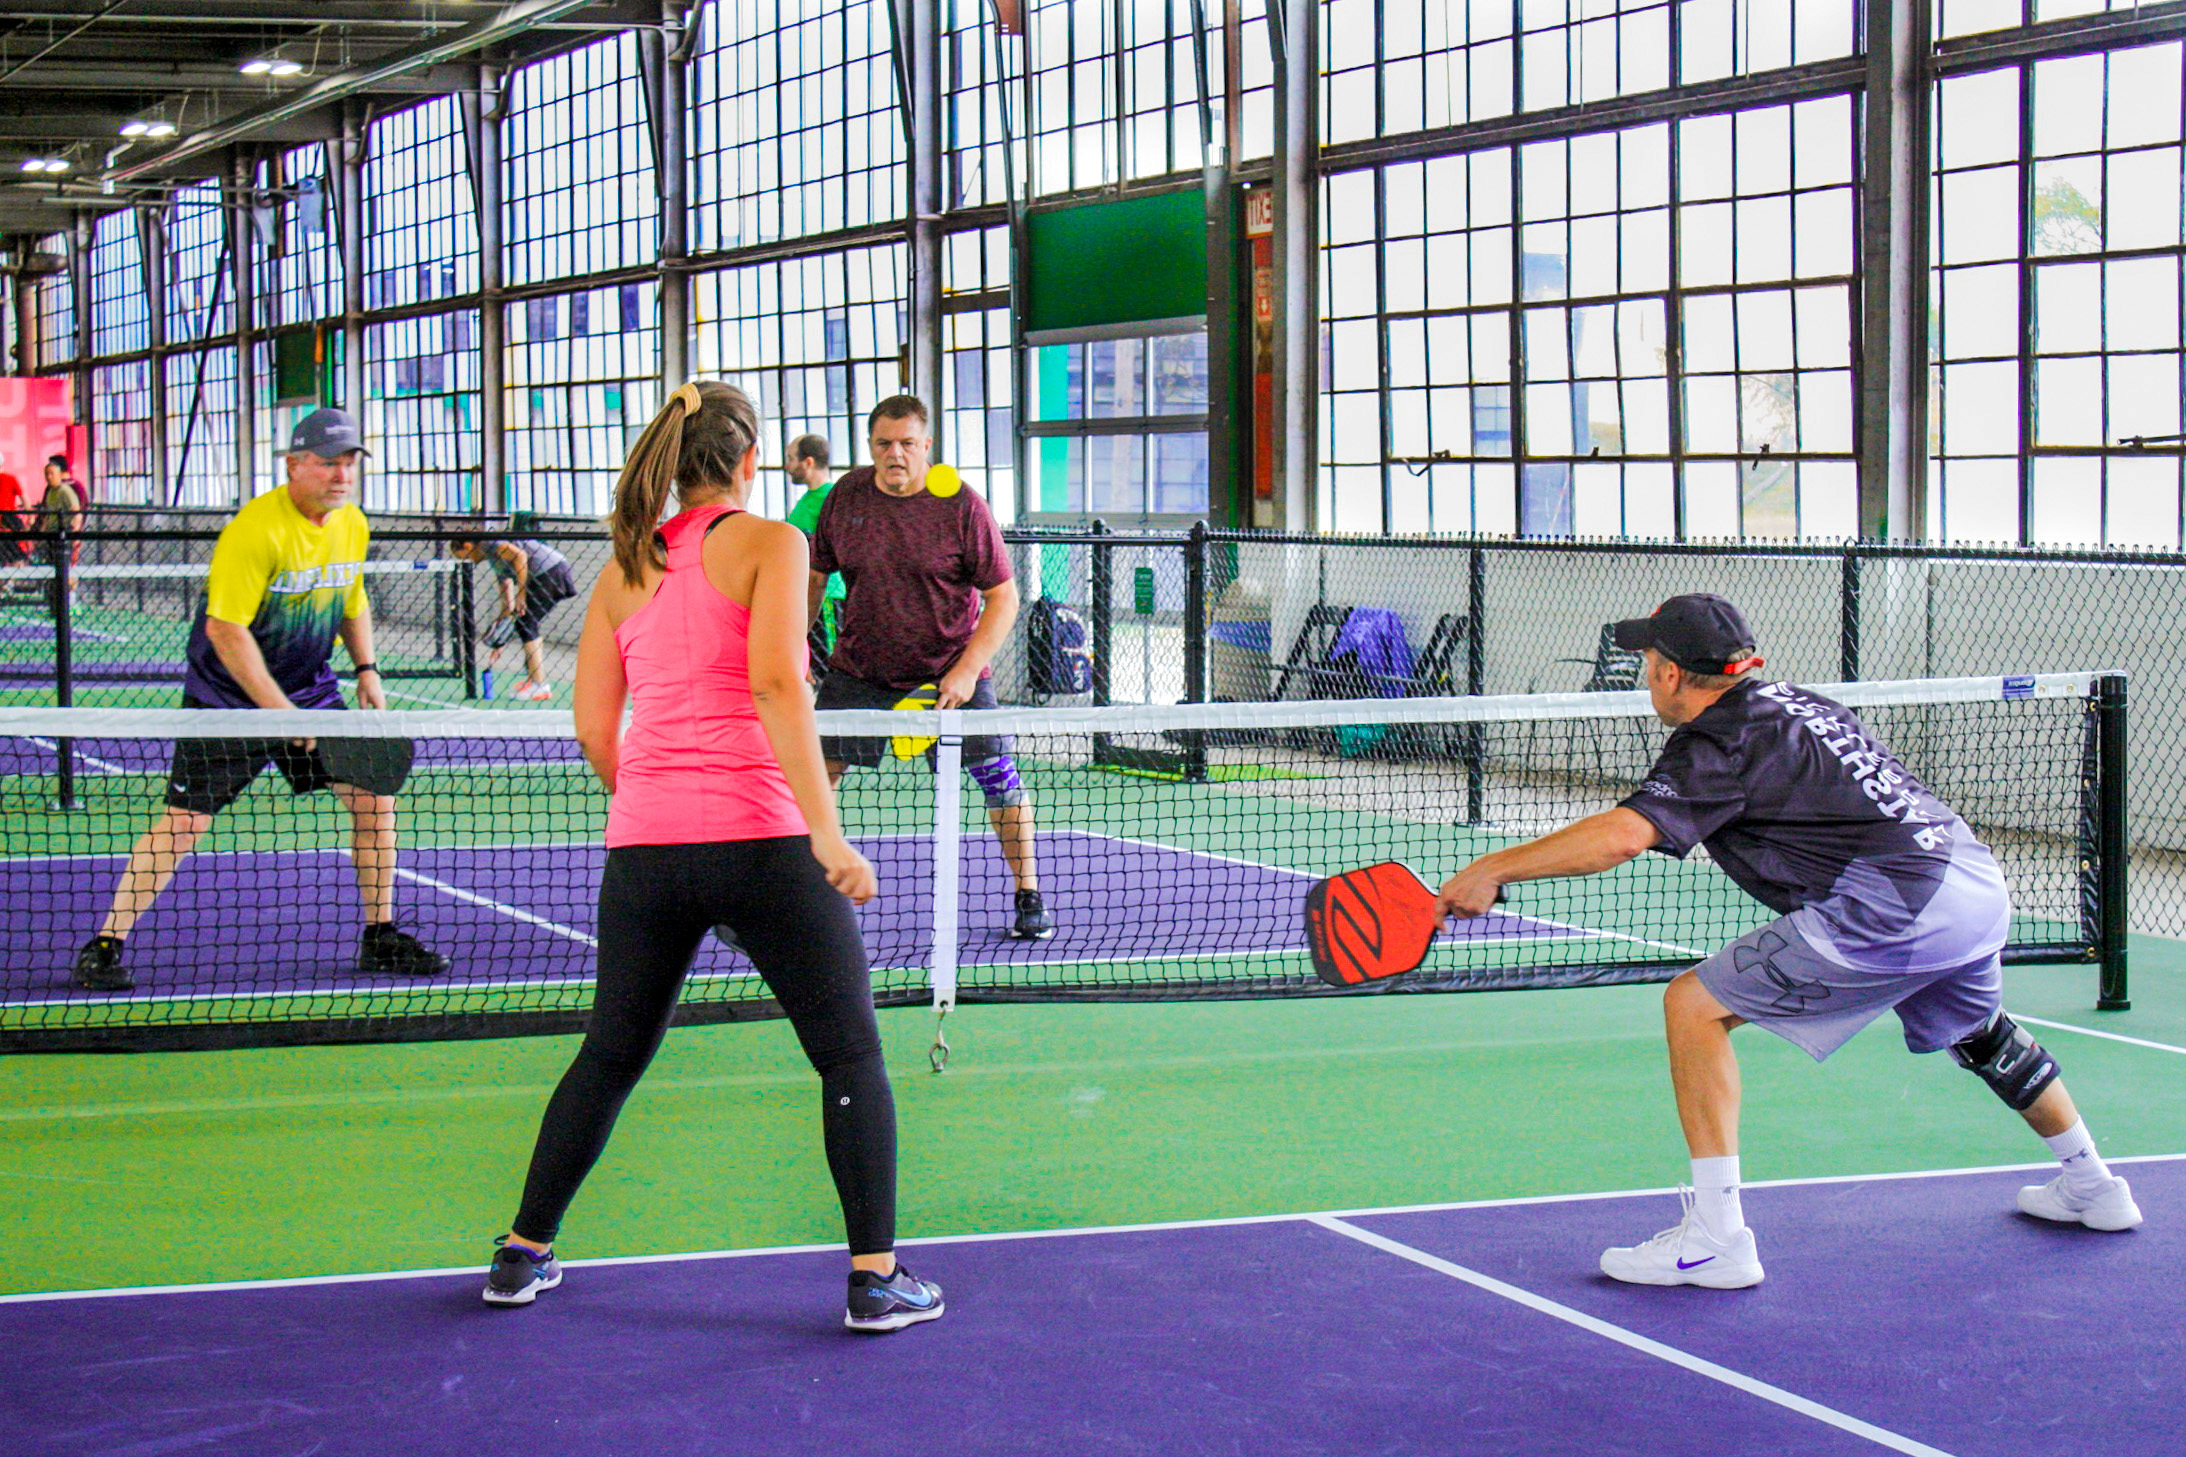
698	439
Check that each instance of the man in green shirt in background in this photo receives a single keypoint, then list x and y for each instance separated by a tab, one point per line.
807	466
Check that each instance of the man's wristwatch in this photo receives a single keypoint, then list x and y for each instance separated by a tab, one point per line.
363	668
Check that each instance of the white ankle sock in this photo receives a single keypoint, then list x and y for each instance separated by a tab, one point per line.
2085	1171
1715	1195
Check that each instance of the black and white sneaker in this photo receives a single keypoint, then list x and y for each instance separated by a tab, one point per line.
389	950
99	968
517	1275
1033	922
877	1304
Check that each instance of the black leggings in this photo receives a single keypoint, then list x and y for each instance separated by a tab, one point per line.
656	903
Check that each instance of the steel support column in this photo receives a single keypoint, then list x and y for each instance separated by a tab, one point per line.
79	283
484	108
918	34
348	152
152	240
1294	31
28	343
241	230
1894	222
666	60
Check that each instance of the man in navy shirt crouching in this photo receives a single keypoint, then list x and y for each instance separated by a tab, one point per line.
1884	900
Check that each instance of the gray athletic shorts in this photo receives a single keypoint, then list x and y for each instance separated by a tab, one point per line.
1774	978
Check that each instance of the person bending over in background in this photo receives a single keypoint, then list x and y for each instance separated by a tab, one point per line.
533	579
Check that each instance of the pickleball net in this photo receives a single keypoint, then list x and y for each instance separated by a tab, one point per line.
1173	846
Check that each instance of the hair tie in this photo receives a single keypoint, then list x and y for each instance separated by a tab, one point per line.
686	395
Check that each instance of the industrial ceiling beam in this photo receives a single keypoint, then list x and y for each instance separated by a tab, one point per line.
402	14
512	21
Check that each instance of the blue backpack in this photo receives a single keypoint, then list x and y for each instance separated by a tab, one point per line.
1061	649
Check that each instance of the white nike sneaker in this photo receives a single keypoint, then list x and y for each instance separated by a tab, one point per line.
2112	1209
1686	1254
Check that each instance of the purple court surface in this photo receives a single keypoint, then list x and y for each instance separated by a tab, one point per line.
1913	1314
267	923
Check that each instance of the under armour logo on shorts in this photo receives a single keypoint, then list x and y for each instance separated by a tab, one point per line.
1792	994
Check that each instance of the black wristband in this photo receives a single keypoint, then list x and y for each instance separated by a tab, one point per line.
363	668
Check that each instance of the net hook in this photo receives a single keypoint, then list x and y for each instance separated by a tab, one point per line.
938	1054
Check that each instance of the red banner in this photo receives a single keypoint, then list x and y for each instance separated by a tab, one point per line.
37	420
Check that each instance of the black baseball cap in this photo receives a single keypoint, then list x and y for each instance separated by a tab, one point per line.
1698	631
328	434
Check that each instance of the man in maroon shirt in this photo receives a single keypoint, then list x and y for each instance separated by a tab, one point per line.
930	599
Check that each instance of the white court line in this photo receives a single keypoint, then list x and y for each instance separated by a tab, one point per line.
2105	1036
1736	1380
52	747
1236	1221
512	912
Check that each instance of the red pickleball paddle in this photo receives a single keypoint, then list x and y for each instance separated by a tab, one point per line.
1368	924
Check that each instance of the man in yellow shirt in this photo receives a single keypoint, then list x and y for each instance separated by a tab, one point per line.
287	578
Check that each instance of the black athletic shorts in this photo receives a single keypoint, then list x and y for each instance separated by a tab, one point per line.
208	774
544	593
839	690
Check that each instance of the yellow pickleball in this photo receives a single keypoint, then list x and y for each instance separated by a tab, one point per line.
943	481
910	746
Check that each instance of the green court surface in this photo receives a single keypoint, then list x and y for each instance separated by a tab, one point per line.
122	1170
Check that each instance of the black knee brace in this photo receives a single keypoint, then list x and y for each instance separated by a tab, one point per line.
2013	1064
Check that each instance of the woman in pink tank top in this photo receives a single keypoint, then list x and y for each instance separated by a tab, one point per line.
720	815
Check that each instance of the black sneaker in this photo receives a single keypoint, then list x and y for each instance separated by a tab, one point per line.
99	968
391	951
726	935
1033	922
517	1275
901	1299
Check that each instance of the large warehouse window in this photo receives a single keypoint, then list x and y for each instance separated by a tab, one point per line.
1579	337
421	413
300	265
2056	414
421	221
795	125
583	378
121	309
121	412
200	409
978	428
56	308
200	288
816	341
581	191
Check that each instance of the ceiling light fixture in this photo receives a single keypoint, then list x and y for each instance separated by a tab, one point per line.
153	129
273	66
45	164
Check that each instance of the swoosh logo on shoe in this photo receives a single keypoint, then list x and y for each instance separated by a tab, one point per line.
924	1301
1694	1264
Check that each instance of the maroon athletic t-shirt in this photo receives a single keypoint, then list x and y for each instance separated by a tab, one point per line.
913	568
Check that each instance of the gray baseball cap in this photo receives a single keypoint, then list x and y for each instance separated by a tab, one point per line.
328	434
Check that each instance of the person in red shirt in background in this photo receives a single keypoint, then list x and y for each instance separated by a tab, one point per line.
11	516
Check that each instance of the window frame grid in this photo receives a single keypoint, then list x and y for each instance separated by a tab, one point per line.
604	151
2027	358
421	211
574	489
1518	309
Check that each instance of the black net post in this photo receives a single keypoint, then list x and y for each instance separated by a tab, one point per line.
1476	680
1103	607
1195	645
2112	848
1848	611
466	629
64	670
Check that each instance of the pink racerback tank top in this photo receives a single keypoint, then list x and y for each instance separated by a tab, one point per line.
696	766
